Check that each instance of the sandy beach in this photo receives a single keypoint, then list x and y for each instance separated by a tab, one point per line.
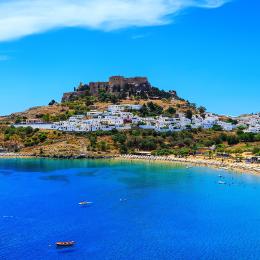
227	164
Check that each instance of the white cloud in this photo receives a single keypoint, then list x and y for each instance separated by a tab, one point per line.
19	18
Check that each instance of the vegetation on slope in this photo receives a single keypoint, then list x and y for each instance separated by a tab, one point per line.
50	143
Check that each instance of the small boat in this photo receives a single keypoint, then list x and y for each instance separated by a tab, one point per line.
84	203
221	182
65	244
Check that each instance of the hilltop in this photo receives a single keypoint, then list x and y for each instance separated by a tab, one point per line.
118	88
98	96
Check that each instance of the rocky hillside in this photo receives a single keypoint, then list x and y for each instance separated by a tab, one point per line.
119	87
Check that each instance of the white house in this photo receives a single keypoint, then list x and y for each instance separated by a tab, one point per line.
253	129
226	126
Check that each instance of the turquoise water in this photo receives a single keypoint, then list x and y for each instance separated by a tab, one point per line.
139	211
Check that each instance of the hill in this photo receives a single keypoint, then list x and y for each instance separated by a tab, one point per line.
98	96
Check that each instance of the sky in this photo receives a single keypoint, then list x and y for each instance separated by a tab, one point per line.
206	50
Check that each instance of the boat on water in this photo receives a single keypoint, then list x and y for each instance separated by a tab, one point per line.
221	182
65	243
84	203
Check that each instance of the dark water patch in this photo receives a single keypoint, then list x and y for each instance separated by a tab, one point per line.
6	172
87	174
61	178
47	165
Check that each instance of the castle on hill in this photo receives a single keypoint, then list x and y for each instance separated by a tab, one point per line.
119	86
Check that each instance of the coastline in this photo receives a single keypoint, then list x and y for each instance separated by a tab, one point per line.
70	157
15	155
241	167
197	161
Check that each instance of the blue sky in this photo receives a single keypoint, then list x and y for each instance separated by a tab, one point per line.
209	51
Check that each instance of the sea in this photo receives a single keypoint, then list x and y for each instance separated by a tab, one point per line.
140	210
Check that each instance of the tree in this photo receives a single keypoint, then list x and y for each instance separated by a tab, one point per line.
148	144
256	150
42	137
193	105
257	137
144	110
123	149
162	152
247	137
18	120
89	102
93	140
143	95
188	114
171	110
241	127
53	102
102	95
217	128
46	118
202	110
154	109
103	146
114	99
232	121
119	138
232	140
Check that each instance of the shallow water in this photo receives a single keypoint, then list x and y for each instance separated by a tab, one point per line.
139	211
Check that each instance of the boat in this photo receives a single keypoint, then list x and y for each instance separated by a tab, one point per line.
221	182
65	244
84	203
